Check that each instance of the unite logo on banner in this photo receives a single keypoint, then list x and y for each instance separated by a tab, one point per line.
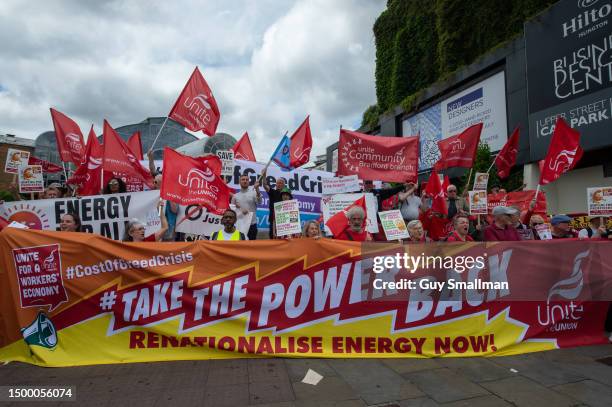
564	316
563	161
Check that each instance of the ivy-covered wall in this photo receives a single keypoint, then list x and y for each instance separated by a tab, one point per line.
419	42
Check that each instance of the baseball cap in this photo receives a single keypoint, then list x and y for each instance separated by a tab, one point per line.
560	219
503	210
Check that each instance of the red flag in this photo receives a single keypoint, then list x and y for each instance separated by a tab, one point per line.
46	165
243	149
506	159
188	181
564	152
211	161
87	175
445	184
135	144
69	138
3	223
120	159
339	222
392	159
301	144
459	150
196	107
434	189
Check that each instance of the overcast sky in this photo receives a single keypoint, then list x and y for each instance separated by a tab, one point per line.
269	63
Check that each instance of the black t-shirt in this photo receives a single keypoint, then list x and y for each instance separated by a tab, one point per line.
275	196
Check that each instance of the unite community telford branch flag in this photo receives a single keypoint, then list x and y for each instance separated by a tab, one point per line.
196	107
70	144
459	150
393	159
190	181
563	154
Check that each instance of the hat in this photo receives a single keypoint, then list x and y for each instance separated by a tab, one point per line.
286	191
560	219
503	210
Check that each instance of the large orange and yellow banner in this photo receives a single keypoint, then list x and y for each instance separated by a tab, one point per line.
75	298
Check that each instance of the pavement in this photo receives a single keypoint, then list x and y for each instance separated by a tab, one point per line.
569	377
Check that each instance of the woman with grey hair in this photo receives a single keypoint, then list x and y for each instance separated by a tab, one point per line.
135	229
356	230
416	232
312	229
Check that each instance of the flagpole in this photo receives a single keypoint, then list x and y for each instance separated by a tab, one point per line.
537	193
468	179
492	164
158	133
65	173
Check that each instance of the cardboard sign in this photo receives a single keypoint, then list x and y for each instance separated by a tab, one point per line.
227	159
15	159
544	231
480	181
341	185
31	179
393	224
287	218
599	200
478	202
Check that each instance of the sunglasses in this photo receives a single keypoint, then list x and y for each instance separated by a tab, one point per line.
537	223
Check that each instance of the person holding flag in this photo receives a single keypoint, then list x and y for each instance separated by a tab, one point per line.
356	230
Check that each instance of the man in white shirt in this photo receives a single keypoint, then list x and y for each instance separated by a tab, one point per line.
595	230
246	201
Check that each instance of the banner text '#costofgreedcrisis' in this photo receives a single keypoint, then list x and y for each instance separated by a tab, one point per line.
204	300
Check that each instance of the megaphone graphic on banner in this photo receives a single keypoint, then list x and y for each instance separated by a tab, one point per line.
40	332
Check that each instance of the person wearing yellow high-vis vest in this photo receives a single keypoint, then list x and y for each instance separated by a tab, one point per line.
229	231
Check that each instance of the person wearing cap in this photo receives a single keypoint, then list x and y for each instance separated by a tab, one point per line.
501	230
561	227
523	230
595	230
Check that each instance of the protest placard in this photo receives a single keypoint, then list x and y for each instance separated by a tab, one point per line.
599	200
15	159
287	217
478	202
481	179
227	159
393	224
31	179
340	185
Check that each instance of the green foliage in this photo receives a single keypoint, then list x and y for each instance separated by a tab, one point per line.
418	42
6	196
370	116
483	161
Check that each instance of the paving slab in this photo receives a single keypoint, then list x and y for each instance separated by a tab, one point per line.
589	392
297	368
547	372
525	392
444	385
476	369
330	388
232	395
231	371
409	365
270	392
418	402
373	381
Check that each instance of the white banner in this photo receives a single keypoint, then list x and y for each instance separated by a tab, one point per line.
102	214
197	220
287	218
333	204
15	159
393	224
599	201
341	185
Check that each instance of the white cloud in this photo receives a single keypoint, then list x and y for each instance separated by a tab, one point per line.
269	63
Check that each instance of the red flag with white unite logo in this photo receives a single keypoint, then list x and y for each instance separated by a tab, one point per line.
300	145
434	188
46	165
70	144
196	107
459	150
393	159
189	181
506	159
243	149
135	144
87	176
120	159
563	154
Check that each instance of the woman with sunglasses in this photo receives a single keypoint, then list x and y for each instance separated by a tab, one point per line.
114	186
